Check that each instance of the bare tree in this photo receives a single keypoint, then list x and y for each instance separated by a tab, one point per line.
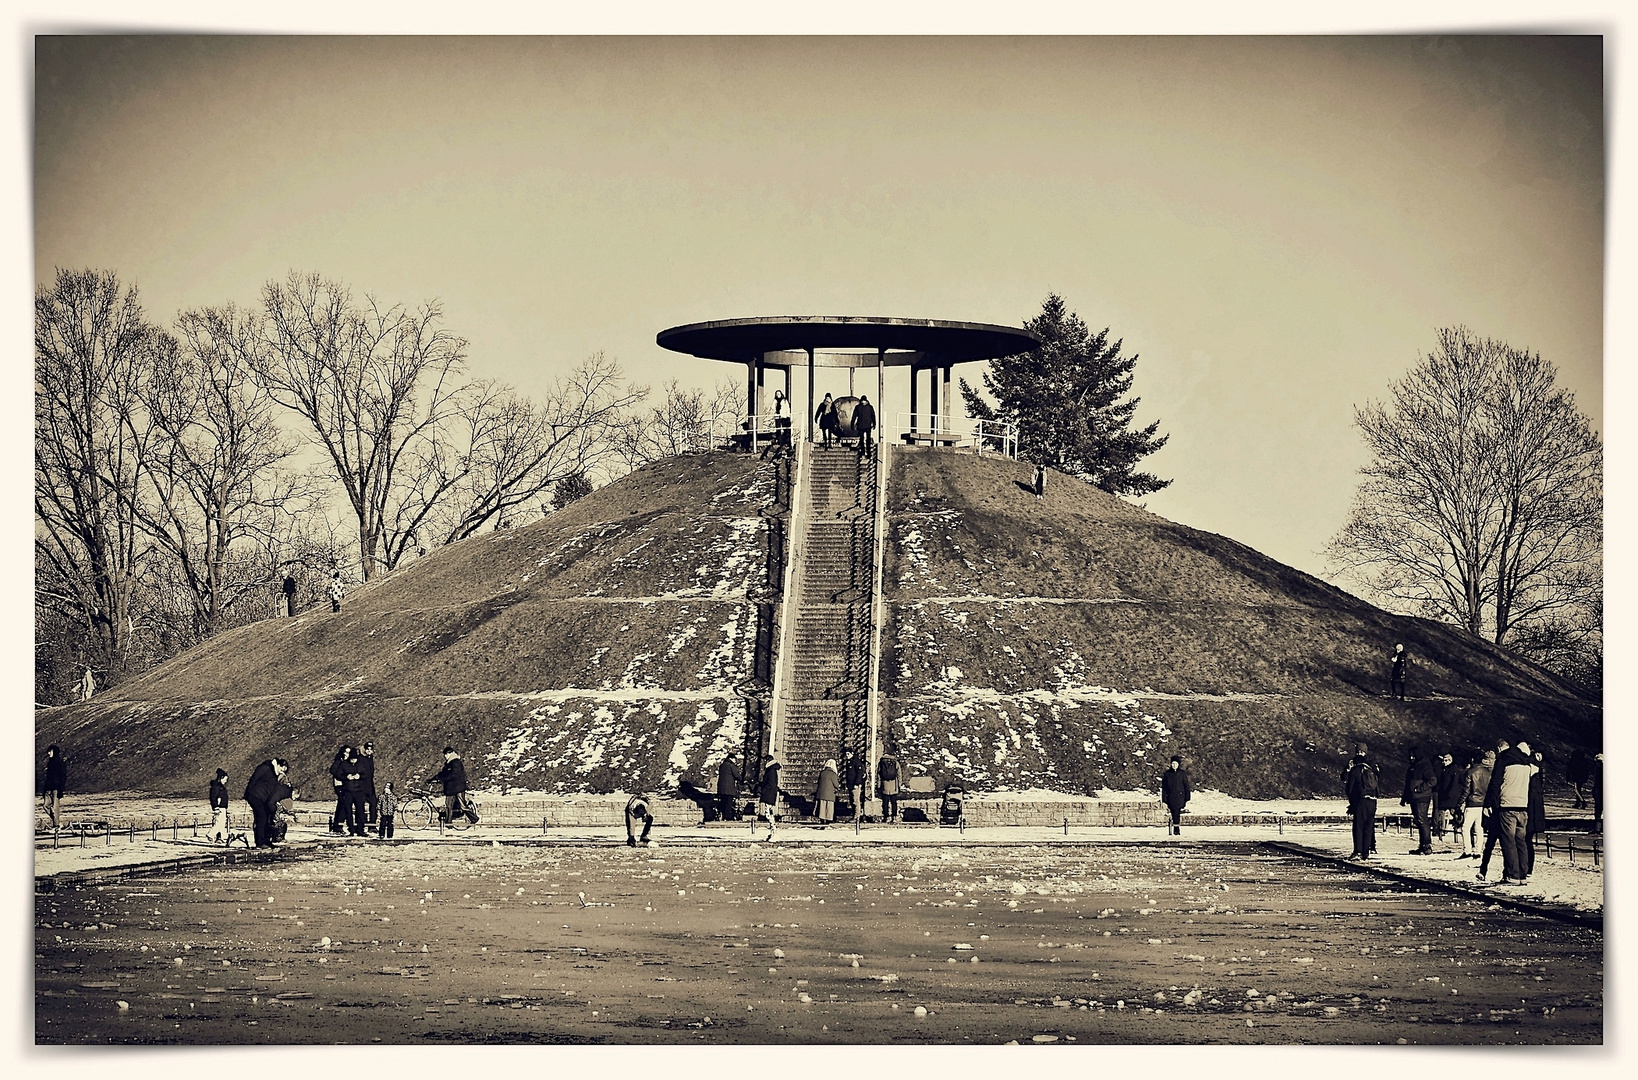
216	482
376	385
516	449
93	351
685	422
1483	501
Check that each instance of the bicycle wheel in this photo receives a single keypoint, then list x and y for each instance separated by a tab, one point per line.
416	814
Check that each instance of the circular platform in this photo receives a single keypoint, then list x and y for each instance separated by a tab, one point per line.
920	342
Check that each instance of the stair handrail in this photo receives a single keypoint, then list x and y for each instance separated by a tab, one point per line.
873	707
795	550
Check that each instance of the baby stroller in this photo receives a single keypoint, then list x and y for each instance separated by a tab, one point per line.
949	811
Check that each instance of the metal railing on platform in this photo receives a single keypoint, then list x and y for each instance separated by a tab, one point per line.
984	436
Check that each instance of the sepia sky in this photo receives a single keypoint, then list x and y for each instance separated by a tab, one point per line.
1276	226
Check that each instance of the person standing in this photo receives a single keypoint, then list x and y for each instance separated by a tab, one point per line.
88	686
1598	792
219	808
825	416
1396	673
1175	793
637	809
1474	783
824	794
728	789
352	795
781	442
289	591
263	792
337	591
1491	836
887	776
864	422
1361	782
338	777
366	771
1447	798
453	778
1039	483
1508	799
56	783
767	798
855	783
1421	783
1536	816
1579	774
389	811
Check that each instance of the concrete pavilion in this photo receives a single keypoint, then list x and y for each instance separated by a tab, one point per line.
852	342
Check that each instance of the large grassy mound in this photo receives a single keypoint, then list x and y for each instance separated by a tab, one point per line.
1078	642
596	648
1071	644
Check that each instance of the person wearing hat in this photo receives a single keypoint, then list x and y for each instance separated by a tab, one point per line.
1396	673
1421	784
1175	792
452	777
1362	782
219	808
767	799
366	772
824	794
1447	797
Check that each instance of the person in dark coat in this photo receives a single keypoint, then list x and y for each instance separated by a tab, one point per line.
1396	673
366	771
1492	835
1039	484
219	808
289	591
767	797
1536	817
453	778
1579	774
338	777
637	809
864	422
825	416
1447	798
56	782
855	779
824	794
353	794
728	789
264	791
1362	782
1175	792
1597	783
1421	783
1469	835
887	776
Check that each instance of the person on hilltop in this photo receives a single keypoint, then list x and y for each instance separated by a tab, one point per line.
1175	793
824	794
1361	782
337	591
1508	799
767	798
825	416
219	808
637	809
453	778
1447	797
864	422
264	792
728	789
88	686
1038	485
1474	783
289	592
780	444
56	783
1421	783
1396	672
887	776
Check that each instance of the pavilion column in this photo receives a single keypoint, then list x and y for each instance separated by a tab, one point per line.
934	408
913	396
751	380
945	397
761	383
881	392
811	405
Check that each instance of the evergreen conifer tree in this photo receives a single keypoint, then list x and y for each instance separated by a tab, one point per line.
1065	396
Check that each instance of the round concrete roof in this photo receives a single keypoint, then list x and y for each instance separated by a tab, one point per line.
931	340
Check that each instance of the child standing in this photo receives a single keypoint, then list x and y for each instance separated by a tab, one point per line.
387	810
218	808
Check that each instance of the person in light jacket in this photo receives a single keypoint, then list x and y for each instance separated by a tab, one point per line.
1508	799
824	794
1175	793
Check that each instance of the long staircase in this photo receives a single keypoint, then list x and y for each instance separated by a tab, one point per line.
823	708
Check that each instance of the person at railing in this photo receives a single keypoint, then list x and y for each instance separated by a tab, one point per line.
864	422
780	442
825	416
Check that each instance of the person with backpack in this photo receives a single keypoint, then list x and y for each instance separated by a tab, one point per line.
887	774
1361	782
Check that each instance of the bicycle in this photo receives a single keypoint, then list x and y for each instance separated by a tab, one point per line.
422	807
